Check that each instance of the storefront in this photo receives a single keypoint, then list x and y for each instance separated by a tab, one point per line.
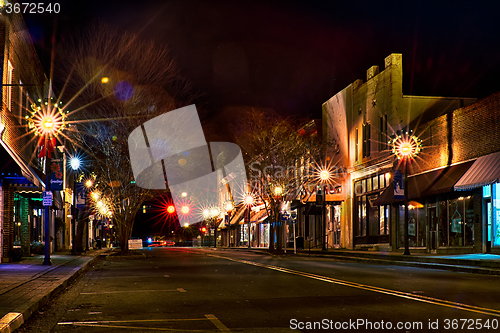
483	177
371	221
440	219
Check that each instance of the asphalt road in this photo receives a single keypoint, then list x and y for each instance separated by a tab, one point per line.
202	290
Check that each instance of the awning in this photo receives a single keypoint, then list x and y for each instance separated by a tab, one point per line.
259	216
12	165
238	215
427	183
484	171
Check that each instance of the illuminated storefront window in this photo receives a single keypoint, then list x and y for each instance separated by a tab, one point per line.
495	232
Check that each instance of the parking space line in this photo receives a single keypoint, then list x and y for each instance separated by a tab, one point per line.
217	323
181	290
113	324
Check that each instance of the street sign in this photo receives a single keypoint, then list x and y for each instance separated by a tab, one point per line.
135	244
47	198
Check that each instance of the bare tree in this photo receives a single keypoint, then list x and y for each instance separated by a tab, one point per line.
278	156
113	83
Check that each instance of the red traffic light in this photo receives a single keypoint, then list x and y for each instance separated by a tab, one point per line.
203	229
171	209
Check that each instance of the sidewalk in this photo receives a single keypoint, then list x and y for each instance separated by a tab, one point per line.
27	285
479	263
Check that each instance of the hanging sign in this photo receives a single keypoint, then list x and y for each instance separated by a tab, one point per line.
80	195
56	174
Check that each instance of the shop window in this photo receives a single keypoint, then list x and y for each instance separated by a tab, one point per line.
487	191
443	223
373	216
496	214
363	216
469	221
369	185
375	183
381	181
401	226
456	221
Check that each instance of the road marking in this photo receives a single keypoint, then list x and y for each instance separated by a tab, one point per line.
106	323
402	294
96	312
181	290
217	323
166	275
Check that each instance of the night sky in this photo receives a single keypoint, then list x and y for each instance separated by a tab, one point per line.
294	55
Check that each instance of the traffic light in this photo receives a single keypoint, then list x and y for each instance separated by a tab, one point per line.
203	229
171	209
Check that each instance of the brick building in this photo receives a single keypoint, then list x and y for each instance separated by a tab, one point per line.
21	181
454	184
361	118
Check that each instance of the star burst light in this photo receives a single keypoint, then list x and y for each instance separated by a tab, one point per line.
47	119
406	145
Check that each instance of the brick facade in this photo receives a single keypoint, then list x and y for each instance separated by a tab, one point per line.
24	81
464	134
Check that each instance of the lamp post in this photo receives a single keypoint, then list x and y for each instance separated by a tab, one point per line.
46	121
406	147
249	200
324	176
88	184
75	165
278	192
228	207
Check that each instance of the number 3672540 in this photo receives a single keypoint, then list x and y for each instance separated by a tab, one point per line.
32	8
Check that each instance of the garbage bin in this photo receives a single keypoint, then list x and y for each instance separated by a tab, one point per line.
300	242
99	243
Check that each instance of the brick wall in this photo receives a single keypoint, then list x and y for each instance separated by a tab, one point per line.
464	134
8	219
19	50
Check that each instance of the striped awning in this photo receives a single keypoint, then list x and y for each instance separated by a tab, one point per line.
259	216
239	214
484	171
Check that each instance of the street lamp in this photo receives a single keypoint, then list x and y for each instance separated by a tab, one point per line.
406	147
228	207
277	191
47	120
324	176
74	162
249	200
89	183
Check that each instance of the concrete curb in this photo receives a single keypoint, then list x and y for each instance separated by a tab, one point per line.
13	320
